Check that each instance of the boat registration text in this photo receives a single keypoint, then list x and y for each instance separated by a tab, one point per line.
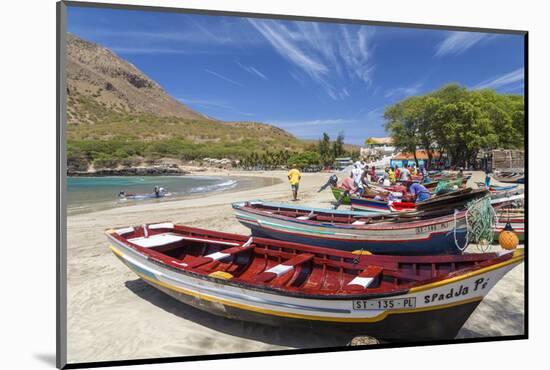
432	228
384	304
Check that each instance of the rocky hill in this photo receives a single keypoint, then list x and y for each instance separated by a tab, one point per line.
95	73
120	117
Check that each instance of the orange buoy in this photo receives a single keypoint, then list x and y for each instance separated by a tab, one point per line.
508	238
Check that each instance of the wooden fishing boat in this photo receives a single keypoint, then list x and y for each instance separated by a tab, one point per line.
493	188
503	197
458	181
395	298
128	196
382	205
509	177
370	191
450	201
406	234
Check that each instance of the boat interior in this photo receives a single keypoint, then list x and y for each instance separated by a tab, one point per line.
353	219
287	266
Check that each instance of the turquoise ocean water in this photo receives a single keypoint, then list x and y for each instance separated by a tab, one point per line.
86	194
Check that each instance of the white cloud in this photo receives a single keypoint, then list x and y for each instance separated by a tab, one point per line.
252	71
401	92
224	78
503	80
213	105
284	42
333	56
458	42
312	123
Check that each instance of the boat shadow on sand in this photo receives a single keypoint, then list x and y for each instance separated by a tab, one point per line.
496	322
497	318
280	336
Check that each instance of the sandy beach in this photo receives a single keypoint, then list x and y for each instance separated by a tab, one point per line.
113	315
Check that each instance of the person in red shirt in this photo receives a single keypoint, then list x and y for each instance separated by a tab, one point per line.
373	177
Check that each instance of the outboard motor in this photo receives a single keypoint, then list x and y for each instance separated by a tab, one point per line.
332	181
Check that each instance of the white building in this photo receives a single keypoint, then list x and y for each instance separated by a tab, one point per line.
377	147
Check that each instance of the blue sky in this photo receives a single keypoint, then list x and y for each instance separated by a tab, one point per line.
305	77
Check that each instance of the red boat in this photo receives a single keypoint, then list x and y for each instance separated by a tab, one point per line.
396	298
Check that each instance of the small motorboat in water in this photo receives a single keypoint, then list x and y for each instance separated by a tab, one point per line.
158	192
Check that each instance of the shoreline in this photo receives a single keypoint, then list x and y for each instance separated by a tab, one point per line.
113	315
242	182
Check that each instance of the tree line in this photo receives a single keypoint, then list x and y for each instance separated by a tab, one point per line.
114	153
319	155
457	122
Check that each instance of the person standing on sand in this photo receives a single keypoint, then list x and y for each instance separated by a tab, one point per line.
405	174
357	172
294	177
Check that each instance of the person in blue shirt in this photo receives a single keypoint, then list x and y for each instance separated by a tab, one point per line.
487	180
425	177
419	191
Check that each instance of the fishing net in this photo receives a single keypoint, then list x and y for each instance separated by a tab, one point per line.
480	220
445	186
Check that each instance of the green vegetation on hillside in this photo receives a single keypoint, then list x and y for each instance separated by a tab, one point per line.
458	122
314	155
108	138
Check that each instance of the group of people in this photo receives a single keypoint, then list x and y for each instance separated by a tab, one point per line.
362	176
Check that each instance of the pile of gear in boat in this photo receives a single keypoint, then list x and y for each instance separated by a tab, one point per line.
393	267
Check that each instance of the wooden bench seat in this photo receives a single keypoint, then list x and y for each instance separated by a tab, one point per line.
200	261
282	268
365	277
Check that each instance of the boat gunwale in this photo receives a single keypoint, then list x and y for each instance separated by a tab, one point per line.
390	226
464	273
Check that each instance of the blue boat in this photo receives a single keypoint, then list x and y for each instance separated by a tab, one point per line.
355	231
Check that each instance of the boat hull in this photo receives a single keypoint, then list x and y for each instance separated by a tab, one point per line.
434	310
369	204
428	325
432	237
436	244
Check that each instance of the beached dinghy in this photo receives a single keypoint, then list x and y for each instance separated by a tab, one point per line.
370	191
494	188
122	196
368	204
410	234
394	298
509	177
448	201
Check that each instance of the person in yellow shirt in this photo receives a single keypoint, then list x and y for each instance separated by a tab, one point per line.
391	174
294	177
